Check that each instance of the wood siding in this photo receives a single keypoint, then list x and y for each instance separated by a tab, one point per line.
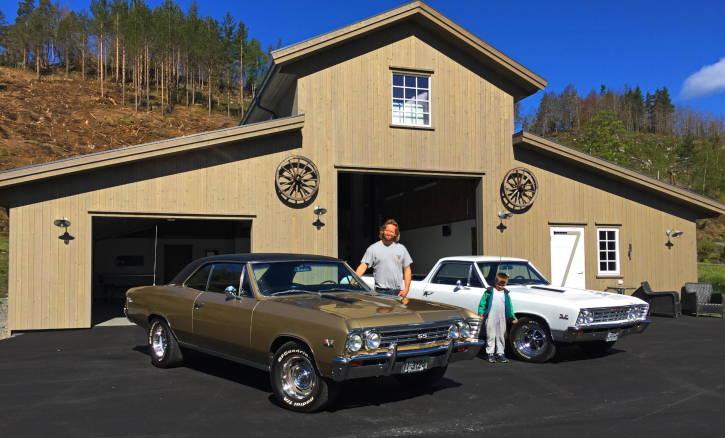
50	282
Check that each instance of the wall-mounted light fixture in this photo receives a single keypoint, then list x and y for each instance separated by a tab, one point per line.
505	215
672	234
319	211
64	223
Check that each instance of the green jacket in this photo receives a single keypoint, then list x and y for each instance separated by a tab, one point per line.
484	307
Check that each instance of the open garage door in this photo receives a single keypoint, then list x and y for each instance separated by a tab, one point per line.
130	252
437	215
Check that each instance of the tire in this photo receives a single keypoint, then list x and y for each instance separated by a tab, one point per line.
530	341
425	378
297	383
596	347
163	347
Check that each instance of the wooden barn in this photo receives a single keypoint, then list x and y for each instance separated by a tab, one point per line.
404	115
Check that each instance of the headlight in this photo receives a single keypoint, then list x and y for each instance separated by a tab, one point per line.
582	318
643	311
454	332
464	329
589	318
354	342
633	313
372	340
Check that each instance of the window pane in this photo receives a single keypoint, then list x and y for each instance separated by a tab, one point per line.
603	266
397	92
397	104
410	93
410	81
409	106
450	273
422	95
225	275
397	117
610	246
602	235
610	235
246	287
423	107
198	281
602	245
398	80
409	119
426	119
602	255
612	266
612	255
422	82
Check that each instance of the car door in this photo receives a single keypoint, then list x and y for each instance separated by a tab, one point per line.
444	287
179	304
222	323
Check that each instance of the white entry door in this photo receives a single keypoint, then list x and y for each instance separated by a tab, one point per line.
567	257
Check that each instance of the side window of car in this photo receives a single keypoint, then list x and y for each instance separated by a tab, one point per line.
225	275
246	286
450	273
199	280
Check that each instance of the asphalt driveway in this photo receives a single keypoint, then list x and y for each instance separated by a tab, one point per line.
100	382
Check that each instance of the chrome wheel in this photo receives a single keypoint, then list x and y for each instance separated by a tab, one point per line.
298	377
531	342
158	341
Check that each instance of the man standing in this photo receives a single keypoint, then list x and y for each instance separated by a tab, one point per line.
390	262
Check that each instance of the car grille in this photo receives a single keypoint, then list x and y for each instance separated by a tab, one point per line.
406	335
610	314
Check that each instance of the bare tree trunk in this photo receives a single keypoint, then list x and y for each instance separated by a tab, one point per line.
186	79
148	79
101	60
193	89
162	89
209	83
83	67
241	81
123	81
67	69
116	51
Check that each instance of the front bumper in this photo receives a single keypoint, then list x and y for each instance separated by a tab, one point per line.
392	361
598	332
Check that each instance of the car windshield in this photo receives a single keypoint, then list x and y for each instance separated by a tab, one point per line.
306	277
521	273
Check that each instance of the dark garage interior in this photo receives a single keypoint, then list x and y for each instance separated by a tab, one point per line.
131	251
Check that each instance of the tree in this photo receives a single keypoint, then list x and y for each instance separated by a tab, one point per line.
40	31
100	12
3	29
22	28
601	136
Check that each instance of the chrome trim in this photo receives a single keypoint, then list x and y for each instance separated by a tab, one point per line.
226	356
392	358
342	368
125	313
571	334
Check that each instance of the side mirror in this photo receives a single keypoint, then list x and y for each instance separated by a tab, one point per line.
458	283
231	292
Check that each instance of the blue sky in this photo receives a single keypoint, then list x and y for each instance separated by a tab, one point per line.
585	43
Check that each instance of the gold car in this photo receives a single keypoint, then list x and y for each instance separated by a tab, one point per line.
308	320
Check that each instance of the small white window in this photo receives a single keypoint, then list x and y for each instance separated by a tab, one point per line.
411	99
608	254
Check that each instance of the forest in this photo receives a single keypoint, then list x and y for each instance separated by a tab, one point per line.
184	56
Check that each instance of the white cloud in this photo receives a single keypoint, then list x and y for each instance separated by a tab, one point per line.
709	80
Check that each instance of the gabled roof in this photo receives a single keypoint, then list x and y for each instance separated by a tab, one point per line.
620	173
528	81
149	150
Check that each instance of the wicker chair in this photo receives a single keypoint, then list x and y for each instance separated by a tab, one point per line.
700	298
660	303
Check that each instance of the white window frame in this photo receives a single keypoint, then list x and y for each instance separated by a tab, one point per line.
392	98
616	251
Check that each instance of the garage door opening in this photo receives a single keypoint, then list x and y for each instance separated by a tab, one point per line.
126	249
437	215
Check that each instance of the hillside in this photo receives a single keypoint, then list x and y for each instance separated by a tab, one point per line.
59	118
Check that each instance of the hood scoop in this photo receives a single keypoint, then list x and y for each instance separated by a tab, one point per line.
340	299
550	289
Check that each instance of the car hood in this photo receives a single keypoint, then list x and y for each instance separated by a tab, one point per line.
372	310
582	298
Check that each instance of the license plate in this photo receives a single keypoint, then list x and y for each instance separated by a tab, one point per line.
612	335
415	365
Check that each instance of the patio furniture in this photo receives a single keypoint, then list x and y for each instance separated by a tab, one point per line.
621	290
699	298
660	303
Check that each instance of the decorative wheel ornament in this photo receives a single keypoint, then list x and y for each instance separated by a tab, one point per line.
520	187
297	179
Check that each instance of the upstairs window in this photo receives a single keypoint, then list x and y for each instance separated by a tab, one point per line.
411	99
608	254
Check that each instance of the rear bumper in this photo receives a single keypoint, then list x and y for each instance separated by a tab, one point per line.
391	362
599	332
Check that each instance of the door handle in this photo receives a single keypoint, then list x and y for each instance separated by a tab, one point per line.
197	304
426	293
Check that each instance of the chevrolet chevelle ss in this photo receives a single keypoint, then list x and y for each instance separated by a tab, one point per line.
308	320
547	315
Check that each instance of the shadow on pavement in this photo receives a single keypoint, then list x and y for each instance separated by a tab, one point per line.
222	368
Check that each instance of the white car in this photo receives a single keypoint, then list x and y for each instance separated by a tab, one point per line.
547	315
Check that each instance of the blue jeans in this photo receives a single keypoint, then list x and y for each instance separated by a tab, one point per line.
393	292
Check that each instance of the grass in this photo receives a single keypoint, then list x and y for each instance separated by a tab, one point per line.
3	265
713	274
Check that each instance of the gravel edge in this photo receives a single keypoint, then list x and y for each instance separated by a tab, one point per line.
4	318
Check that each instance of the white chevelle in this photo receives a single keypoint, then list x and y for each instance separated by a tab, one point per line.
547	315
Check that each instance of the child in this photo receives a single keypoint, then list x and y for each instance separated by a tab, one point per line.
495	309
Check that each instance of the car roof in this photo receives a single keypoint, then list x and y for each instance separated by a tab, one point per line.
248	258
483	259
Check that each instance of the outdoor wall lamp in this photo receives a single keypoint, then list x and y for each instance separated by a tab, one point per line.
319	211
505	215
63	223
672	233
